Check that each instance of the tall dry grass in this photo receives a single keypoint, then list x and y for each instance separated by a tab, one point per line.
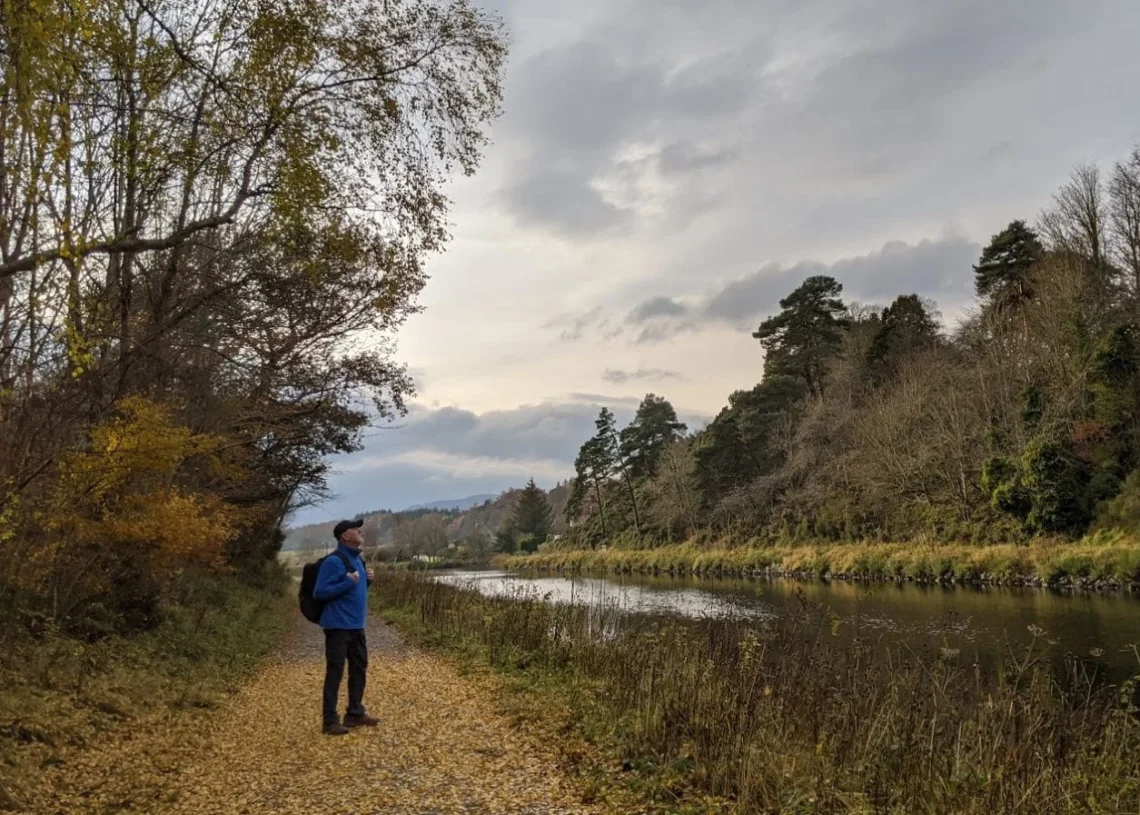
1101	559
782	718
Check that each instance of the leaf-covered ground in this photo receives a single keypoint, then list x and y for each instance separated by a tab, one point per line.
442	748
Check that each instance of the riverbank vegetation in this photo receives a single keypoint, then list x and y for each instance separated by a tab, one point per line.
877	422
1104	561
724	717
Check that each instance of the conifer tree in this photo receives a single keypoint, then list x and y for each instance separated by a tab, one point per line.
532	515
1002	273
608	445
806	333
654	426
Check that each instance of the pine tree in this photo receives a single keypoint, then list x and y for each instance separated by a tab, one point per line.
736	448
1002	275
806	333
907	325
608	445
505	540
592	470
654	427
532	515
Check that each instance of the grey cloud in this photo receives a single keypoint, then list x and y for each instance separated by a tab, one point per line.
717	86
1001	151
572	107
596	400
396	484
661	330
419	378
572	327
758	293
893	97
880	88
569	108
399	484
562	201
658	318
686	156
940	269
589	96
620	377
546	431
656	307
580	98
569	113
549	431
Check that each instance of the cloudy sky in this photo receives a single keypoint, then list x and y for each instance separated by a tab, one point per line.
666	170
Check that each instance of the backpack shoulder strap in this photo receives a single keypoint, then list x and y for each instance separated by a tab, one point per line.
349	566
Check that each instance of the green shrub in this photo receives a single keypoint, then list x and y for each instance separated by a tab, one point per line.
1056	483
1123	511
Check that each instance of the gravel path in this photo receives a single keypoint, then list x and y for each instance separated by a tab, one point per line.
441	747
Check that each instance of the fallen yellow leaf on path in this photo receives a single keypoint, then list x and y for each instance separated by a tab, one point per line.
441	748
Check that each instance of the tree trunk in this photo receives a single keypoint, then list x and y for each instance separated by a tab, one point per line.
601	503
628	482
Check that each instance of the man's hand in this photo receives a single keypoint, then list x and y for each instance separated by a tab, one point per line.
371	574
355	576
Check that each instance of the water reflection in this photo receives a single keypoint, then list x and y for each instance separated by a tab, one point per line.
625	596
985	625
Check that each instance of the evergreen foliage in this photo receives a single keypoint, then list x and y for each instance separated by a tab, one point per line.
1003	274
533	516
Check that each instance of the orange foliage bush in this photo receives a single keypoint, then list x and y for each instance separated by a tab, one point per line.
125	490
127	514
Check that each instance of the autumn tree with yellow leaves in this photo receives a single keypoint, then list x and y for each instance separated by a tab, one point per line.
214	215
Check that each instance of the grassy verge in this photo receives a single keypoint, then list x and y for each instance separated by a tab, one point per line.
724	717
1100	561
544	693
62	697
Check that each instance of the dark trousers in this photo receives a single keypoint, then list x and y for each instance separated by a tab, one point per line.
341	645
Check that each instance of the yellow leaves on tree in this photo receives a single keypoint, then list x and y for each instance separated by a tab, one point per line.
183	529
129	488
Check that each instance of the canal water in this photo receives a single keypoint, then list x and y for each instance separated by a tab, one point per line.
986	625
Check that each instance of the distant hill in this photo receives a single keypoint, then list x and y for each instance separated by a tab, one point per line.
458	504
484	513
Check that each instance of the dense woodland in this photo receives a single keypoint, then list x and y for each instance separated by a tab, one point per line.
880	423
213	216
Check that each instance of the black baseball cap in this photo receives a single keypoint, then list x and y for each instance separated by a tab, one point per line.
344	526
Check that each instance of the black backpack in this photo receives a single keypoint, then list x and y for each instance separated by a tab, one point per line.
311	607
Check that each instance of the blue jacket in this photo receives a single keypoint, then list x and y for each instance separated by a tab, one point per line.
346	602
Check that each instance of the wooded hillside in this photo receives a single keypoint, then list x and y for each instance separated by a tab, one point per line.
881	422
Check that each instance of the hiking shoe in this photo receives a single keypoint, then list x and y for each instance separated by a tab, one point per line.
334	730
360	721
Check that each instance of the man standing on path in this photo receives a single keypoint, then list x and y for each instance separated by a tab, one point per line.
345	595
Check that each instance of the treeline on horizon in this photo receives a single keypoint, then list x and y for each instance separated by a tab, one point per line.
518	520
212	222
877	423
